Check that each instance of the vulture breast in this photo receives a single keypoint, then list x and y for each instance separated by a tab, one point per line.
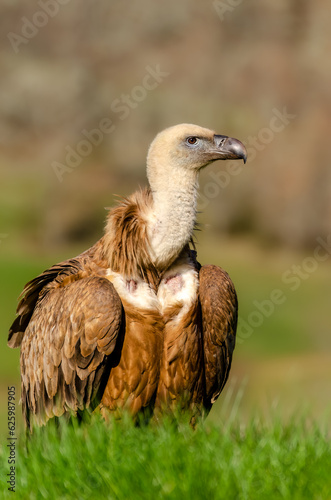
160	359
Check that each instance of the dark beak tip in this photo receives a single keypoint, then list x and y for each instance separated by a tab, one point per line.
238	150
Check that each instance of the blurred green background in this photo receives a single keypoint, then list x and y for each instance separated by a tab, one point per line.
259	71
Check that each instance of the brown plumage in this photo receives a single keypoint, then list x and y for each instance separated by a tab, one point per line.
134	322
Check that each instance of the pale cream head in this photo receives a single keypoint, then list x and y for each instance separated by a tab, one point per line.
190	147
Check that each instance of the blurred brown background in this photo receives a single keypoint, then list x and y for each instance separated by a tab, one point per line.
259	71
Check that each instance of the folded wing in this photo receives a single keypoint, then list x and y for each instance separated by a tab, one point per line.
68	325
219	309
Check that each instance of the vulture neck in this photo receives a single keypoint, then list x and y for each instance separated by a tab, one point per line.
174	192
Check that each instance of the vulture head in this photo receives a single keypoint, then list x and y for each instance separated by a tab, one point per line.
187	148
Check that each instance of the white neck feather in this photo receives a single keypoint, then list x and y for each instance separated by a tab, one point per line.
173	217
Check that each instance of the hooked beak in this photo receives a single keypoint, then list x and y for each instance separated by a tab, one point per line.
229	148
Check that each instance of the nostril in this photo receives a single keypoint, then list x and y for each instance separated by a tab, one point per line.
220	139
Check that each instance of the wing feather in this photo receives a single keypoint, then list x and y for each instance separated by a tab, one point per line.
219	309
65	341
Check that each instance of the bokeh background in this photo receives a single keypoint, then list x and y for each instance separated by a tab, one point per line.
259	71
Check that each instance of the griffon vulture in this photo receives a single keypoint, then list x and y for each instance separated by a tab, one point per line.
134	322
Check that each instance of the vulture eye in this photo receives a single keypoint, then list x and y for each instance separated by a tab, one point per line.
192	141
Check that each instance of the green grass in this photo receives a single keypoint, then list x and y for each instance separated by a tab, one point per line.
121	461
